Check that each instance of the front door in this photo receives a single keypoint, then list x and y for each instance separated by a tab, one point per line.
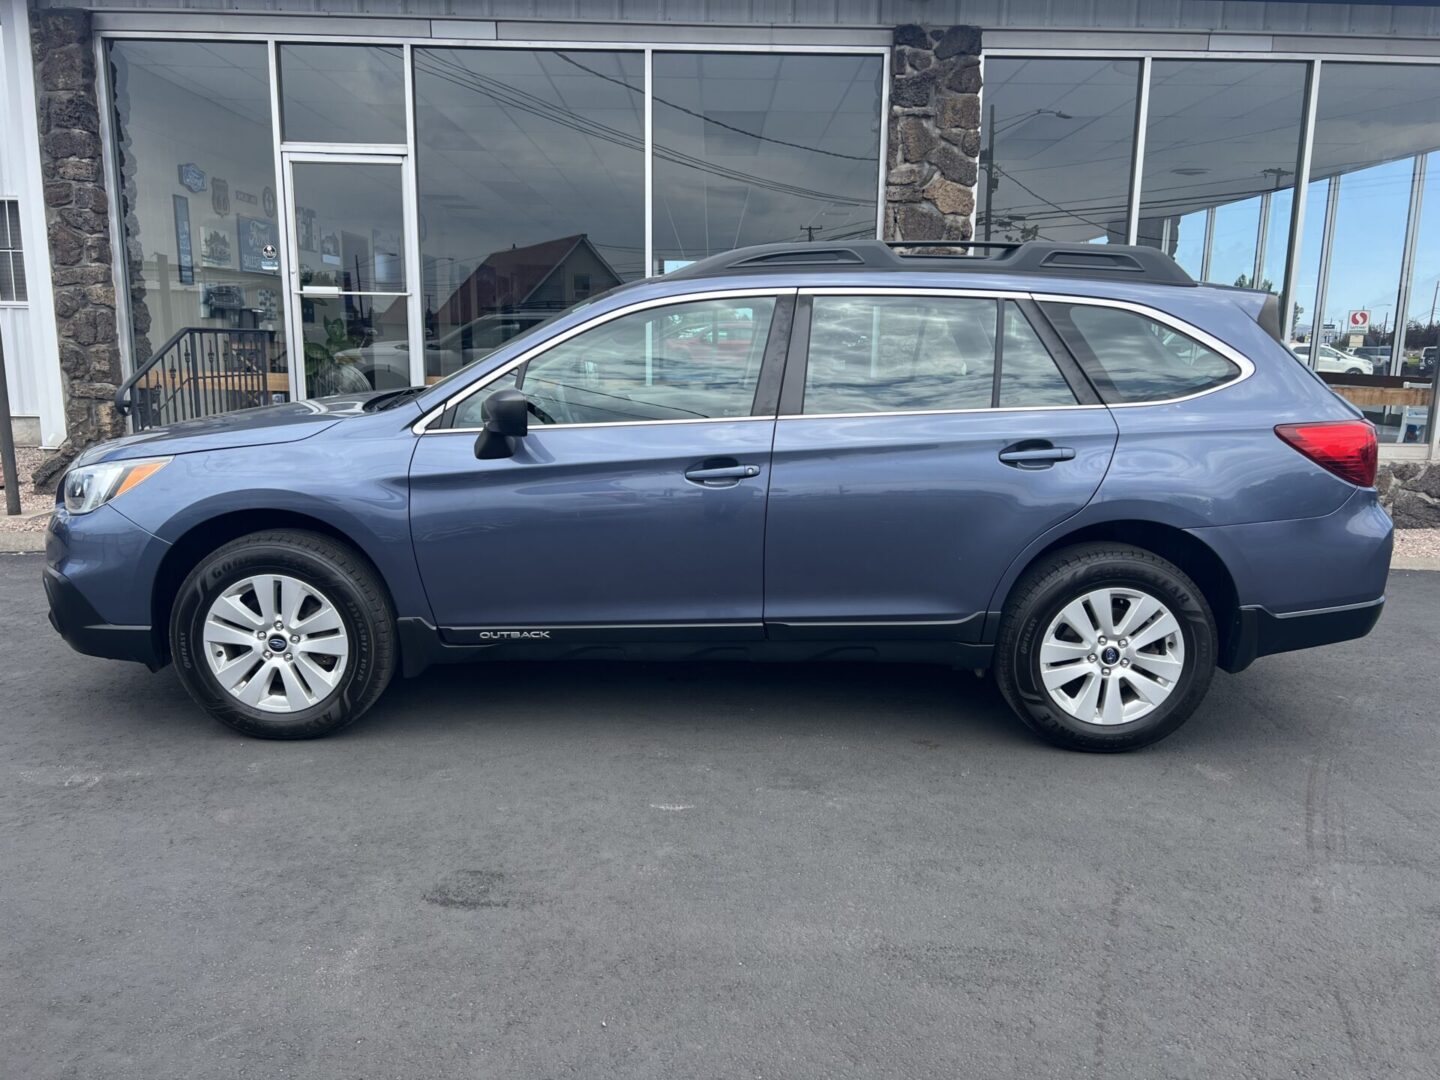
924	441
351	285
635	505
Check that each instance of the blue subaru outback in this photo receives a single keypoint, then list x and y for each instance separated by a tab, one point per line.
1070	464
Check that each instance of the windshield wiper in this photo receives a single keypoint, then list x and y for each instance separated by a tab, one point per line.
398	397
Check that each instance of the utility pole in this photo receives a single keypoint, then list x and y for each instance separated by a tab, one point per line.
809	233
7	444
1433	297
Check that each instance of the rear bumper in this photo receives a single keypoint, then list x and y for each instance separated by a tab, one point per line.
85	631
1263	633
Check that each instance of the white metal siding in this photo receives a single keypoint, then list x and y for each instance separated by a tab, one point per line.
20	367
14	320
31	351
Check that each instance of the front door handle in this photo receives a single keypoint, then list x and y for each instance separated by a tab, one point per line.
721	475
1035	454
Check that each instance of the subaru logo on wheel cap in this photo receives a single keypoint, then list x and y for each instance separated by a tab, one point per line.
277	643
1111	655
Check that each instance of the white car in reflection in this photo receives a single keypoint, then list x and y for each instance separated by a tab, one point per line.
1333	359
386	365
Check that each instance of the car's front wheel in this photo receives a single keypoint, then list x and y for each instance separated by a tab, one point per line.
1105	647
283	635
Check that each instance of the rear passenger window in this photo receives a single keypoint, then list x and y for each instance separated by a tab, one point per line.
916	353
899	354
1131	358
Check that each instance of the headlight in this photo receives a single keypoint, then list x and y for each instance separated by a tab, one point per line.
94	485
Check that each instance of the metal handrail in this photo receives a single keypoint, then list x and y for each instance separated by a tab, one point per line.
202	371
122	393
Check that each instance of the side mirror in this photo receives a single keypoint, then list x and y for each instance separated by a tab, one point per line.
507	417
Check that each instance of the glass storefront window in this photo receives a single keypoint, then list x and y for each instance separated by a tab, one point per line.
342	93
531	172
755	149
198	202
1233	241
1372	122
1418	363
1223	137
1303	325
1057	143
350	262
358	242
1275	259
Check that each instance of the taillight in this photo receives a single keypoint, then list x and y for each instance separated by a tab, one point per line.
1348	448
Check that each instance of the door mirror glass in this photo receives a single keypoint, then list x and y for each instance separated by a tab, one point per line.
507	417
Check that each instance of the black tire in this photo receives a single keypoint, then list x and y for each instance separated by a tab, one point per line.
338	572
1040	595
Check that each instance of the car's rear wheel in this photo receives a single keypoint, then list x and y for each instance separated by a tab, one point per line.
1105	647
283	635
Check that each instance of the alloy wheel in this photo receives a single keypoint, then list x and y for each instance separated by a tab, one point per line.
1112	655
276	643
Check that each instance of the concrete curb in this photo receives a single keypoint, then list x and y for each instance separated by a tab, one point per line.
19	543
1415	562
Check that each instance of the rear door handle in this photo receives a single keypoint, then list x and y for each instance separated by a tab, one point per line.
720	475
1035	457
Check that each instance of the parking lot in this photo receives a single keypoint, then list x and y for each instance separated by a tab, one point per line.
720	871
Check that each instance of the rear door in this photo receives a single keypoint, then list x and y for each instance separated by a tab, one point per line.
925	438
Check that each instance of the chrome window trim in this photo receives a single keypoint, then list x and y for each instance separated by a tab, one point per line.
937	412
1247	367
422	426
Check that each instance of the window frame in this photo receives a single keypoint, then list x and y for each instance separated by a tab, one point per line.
441	419
13	251
792	397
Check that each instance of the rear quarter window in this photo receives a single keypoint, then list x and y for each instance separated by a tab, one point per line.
1132	358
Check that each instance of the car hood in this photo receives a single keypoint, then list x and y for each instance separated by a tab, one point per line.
273	424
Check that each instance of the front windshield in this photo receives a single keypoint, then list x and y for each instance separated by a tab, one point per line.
518	332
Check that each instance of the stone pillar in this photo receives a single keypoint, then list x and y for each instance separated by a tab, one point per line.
934	135
76	213
1410	491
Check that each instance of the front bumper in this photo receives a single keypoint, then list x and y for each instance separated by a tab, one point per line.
100	570
1262	633
85	631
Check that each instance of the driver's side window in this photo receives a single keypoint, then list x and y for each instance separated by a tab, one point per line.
697	360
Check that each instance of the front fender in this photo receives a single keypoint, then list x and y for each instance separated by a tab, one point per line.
355	480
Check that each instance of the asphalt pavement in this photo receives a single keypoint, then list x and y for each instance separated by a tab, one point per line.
695	871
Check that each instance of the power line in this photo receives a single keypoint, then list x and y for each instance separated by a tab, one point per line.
712	120
526	103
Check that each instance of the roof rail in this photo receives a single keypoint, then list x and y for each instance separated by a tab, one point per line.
1040	257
